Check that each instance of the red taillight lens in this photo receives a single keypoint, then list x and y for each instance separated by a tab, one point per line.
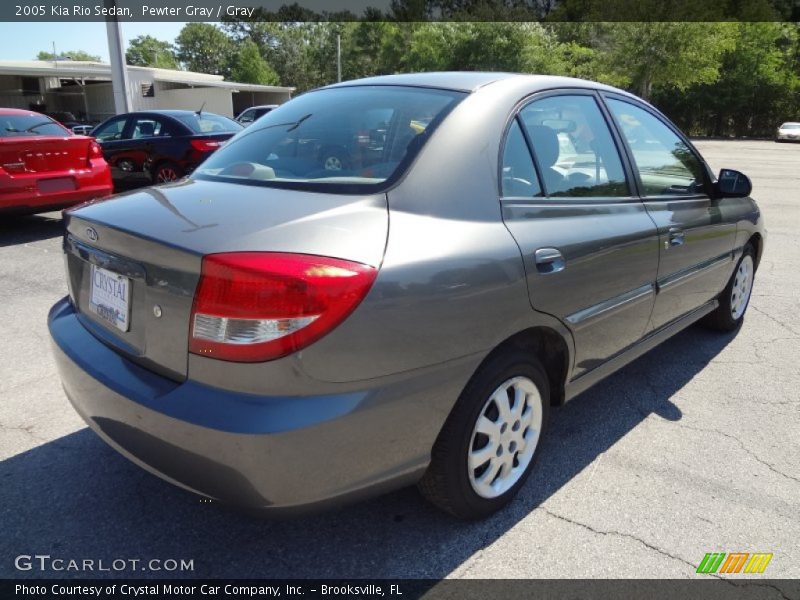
258	306
205	145
95	151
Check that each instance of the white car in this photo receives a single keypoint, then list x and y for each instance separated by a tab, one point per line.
788	132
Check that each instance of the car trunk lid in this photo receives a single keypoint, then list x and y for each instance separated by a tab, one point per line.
43	155
155	240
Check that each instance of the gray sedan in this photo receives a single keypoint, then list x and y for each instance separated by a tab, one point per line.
285	332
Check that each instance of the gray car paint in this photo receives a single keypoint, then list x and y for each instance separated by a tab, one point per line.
456	282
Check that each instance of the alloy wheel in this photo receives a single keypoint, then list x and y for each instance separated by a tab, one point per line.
504	437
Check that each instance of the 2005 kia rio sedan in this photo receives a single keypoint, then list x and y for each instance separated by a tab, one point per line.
284	331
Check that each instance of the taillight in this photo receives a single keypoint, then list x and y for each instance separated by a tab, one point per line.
95	151
258	306
205	145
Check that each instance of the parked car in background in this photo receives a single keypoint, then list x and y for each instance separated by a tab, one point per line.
788	132
249	115
160	145
71	122
259	333
44	166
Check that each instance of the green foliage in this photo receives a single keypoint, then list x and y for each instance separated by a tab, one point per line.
147	51
72	54
205	48
250	67
712	77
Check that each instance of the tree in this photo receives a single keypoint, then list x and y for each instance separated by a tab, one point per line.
147	51
250	67
204	48
72	54
644	55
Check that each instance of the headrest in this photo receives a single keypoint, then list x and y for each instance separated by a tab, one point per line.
545	144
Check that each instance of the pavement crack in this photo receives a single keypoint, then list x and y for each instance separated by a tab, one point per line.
620	534
747	450
775	320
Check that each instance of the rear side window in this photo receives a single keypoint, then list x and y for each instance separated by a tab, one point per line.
574	148
29	125
349	139
209	123
665	163
518	173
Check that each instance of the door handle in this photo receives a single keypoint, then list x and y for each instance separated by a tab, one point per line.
675	237
549	260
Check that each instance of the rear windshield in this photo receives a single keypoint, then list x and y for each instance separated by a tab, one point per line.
349	139
29	125
209	123
790	126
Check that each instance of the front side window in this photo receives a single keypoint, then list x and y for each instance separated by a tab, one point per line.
351	136
575	151
665	163
247	116
29	125
110	131
518	173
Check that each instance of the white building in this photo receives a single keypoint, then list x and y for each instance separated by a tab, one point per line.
84	89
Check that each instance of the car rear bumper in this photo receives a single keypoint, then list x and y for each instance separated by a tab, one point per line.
21	193
279	454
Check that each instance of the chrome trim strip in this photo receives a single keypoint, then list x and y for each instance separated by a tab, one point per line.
608	307
692	272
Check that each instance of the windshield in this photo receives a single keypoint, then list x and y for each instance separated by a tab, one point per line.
790	126
209	123
351	138
29	125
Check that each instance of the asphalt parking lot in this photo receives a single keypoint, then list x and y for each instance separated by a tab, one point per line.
691	449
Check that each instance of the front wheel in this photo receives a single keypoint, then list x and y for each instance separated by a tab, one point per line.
490	441
735	297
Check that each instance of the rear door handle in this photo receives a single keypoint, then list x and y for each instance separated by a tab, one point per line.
676	237
549	260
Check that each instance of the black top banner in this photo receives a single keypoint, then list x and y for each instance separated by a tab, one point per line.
400	10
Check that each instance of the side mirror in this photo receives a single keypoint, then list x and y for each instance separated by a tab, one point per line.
733	184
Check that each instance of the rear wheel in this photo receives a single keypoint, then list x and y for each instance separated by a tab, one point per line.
735	297
166	172
489	443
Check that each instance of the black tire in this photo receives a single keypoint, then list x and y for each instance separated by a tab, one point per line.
721	319
446	483
163	172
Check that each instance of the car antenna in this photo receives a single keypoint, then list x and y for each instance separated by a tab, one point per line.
202	106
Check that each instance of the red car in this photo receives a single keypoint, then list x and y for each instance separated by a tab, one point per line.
44	166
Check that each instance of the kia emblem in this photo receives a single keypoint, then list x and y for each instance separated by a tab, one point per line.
91	234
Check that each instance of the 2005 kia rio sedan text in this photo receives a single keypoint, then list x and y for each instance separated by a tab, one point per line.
286	331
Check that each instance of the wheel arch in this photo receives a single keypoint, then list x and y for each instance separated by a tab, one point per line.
758	246
550	349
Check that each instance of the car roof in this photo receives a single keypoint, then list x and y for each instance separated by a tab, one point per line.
790	123
20	112
168	113
261	106
470	81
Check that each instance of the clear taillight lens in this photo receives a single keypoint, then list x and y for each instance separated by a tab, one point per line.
258	306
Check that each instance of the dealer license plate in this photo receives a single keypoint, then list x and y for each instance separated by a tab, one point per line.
110	297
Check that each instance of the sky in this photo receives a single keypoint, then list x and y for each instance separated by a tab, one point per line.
23	41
